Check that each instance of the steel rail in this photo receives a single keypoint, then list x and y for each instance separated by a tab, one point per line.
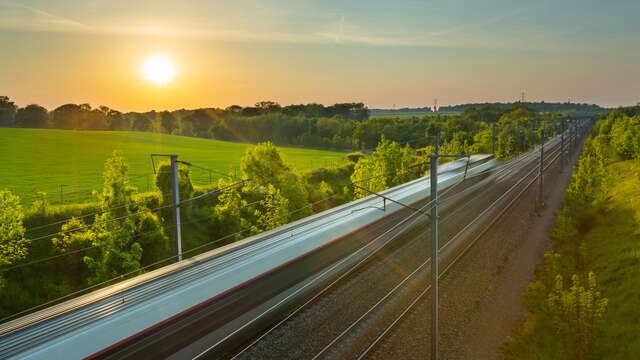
427	261
509	166
458	257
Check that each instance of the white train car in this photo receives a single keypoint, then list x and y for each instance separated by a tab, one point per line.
91	324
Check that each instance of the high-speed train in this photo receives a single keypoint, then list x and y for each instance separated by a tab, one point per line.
240	279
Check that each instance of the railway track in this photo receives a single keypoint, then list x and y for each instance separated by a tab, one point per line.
394	292
422	295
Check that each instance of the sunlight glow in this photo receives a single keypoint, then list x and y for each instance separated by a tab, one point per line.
158	69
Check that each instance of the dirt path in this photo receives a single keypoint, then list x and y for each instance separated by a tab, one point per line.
481	298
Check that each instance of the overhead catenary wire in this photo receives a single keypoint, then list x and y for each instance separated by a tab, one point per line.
414	273
130	215
390	327
96	186
67	253
98	285
316	295
316	278
120	206
122	276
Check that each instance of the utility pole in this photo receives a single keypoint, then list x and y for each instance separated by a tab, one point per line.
175	183
541	171
562	147
434	254
433	160
573	134
61	194
570	135
494	139
437	142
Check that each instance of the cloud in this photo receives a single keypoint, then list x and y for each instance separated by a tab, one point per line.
478	24
23	17
26	18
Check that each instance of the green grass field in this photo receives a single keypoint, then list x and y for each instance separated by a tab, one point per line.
44	159
613	252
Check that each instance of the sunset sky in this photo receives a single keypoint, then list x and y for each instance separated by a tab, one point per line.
378	52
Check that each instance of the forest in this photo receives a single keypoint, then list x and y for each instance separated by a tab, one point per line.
575	109
345	126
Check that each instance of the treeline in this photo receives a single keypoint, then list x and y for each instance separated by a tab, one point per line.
567	107
340	126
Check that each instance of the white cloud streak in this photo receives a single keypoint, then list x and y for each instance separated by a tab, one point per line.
25	18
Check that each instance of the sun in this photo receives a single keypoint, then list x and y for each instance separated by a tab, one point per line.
158	69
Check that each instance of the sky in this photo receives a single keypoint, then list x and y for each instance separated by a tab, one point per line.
383	53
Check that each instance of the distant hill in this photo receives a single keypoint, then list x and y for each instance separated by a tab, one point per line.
572	108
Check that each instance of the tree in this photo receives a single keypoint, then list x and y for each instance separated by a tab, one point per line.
13	246
120	232
199	122
169	122
94	119
141	123
234	109
164	183
268	106
383	168
7	112
264	166
32	116
576	313
116	121
68	116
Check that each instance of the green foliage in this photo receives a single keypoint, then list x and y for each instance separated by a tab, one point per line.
169	122
116	234
354	156
373	173
41	204
7	112
596	233
141	123
32	116
324	182
576	313
265	167
13	246
163	182
564	320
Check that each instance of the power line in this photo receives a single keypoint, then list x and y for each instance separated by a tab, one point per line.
66	253
91	214
130	215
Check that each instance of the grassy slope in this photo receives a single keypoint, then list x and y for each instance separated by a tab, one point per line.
613	248
610	234
46	158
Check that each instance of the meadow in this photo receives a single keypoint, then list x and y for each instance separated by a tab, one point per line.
44	159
